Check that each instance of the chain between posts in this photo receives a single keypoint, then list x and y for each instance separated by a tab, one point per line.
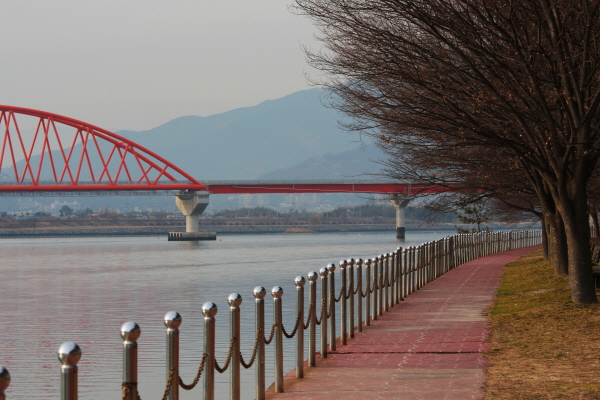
256	343
291	335
368	289
317	320
340	296
197	377
127	387
331	305
310	311
268	341
227	360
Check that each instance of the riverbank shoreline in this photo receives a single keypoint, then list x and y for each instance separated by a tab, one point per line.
220	230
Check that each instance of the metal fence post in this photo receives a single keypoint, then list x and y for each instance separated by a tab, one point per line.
277	292
381	284
368	289
69	354
343	312
324	304
4	381
130	332
332	320
375	281
399	276
387	281
359	297
172	321
299	281
209	310
259	293
393	280
312	332
351	263
235	301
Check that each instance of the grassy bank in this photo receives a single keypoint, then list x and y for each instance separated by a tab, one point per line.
543	346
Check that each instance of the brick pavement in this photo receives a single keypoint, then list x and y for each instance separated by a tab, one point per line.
430	346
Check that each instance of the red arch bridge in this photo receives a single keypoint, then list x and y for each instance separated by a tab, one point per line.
45	154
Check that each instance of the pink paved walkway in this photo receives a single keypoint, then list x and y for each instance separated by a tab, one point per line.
430	346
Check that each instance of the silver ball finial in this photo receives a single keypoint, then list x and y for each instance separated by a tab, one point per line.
324	272
172	320
277	292
209	309
259	292
4	379
299	281
343	264
234	300
351	262
69	354
313	276
359	262
331	267
368	262
130	331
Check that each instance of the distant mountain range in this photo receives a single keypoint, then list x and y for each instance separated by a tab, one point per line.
294	137
361	163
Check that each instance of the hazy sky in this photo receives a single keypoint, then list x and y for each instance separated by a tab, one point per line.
135	64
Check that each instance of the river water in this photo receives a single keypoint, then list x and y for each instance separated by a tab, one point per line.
83	289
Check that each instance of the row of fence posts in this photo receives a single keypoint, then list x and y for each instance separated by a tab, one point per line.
389	278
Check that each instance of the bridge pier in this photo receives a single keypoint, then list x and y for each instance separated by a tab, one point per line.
400	204
192	205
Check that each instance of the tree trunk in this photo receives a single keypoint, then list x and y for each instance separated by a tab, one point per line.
575	218
595	225
557	244
545	246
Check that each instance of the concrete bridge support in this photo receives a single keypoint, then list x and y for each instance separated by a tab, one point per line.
400	203
192	205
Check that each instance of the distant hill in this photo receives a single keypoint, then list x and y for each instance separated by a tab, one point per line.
246	143
361	163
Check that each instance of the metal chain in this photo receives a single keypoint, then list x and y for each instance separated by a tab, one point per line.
126	387
272	334
357	287
331	305
318	321
340	296
310	311
367	289
386	280
291	335
374	284
256	342
228	360
169	383
198	375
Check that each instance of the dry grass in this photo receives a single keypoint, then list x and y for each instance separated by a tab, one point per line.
543	346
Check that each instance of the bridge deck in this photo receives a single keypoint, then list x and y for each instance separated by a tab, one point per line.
430	346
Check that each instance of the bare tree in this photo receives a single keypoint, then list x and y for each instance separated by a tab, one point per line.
521	76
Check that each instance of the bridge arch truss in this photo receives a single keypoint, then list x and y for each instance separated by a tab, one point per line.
60	154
